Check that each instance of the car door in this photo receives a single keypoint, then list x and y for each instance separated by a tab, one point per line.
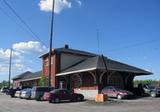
63	95
114	92
108	91
66	95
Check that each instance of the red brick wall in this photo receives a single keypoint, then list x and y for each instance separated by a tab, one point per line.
16	83
54	68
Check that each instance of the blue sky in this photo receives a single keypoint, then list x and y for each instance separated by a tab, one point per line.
128	31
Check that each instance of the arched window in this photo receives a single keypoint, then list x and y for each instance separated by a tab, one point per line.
76	81
116	80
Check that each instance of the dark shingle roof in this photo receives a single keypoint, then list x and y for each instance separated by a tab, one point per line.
96	62
28	75
32	76
20	76
68	50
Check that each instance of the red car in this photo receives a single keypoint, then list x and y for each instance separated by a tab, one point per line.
46	96
58	95
118	93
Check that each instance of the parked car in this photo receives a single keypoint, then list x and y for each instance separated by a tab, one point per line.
12	91
4	89
46	96
151	90
38	92
115	92
18	94
26	93
58	95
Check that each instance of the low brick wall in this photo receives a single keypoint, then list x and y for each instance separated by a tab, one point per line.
88	92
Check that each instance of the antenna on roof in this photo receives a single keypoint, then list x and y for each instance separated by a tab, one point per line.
98	44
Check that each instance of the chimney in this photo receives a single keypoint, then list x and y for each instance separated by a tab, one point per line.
66	46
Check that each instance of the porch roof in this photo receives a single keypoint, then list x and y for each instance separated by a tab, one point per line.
22	75
97	63
28	76
32	76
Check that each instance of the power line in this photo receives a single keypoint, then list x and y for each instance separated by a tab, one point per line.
22	28
23	22
135	45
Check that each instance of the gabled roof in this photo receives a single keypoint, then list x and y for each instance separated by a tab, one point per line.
97	63
69	50
20	76
32	76
28	76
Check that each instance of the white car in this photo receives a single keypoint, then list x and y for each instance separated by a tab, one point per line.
18	94
26	93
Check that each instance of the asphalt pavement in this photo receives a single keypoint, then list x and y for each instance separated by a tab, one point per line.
148	104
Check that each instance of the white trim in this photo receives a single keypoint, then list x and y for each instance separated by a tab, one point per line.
76	71
101	75
94	77
110	76
30	79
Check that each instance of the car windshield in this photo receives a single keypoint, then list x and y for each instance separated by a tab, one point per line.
118	89
151	87
54	91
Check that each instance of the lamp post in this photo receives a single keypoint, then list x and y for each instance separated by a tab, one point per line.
50	49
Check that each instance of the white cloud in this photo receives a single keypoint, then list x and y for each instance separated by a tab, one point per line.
4	59
79	2
46	5
3	68
20	60
16	67
29	47
5	54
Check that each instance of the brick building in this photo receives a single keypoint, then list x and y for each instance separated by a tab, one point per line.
88	73
27	79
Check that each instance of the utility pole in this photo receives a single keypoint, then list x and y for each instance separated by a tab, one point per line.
50	50
10	64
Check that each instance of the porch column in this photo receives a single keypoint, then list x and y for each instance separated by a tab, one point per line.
69	82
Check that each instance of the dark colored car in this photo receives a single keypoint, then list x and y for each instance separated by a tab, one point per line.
115	92
38	92
151	90
4	90
58	95
12	91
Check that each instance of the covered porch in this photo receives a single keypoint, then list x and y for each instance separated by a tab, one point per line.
90	76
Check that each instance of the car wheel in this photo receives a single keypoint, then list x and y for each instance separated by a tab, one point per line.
153	94
119	97
39	98
56	100
79	98
50	101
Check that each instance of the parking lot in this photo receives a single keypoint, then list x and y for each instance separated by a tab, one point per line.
146	104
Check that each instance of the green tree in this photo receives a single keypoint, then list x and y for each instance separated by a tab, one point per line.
151	82
3	84
43	81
